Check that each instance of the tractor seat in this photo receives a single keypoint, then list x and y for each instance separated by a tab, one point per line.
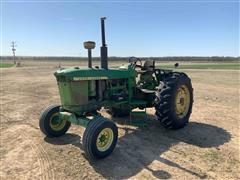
148	65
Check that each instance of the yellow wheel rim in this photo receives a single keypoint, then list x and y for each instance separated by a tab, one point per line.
182	101
56	123
104	139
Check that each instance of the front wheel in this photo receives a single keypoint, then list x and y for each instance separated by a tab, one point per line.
51	124
99	138
174	101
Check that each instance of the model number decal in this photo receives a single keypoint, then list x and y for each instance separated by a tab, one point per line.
88	78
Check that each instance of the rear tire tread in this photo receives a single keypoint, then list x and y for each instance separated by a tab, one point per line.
165	105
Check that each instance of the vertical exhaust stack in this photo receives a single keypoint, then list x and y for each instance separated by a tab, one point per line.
104	56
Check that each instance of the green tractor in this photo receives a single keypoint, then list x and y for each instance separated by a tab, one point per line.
84	91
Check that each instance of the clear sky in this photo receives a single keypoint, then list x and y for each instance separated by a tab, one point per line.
163	28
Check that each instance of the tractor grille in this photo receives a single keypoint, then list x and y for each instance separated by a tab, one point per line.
73	93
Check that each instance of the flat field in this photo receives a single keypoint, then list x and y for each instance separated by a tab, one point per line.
6	65
208	147
233	66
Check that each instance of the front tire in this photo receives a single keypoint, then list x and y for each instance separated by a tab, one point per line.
99	138
174	101
50	123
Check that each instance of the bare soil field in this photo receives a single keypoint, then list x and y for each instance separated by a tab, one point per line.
208	147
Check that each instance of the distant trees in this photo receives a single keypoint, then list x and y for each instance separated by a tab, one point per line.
174	58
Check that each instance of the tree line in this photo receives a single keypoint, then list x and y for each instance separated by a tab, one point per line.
170	58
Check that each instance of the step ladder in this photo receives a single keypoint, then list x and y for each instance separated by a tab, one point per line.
135	115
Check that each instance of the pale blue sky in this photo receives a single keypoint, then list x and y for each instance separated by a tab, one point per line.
175	28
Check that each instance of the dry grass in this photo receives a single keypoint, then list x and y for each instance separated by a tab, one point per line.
207	148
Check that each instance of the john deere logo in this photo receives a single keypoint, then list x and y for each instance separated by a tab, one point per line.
88	78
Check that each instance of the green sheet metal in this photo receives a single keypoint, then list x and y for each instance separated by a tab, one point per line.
73	93
93	74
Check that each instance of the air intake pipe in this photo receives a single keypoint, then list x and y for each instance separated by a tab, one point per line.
104	56
89	45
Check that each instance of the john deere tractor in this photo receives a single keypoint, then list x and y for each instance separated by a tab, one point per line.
84	91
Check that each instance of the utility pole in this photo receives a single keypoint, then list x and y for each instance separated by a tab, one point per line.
13	45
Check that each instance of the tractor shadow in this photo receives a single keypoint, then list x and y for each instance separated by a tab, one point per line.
68	138
138	147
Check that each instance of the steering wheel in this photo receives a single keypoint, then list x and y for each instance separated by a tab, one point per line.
136	61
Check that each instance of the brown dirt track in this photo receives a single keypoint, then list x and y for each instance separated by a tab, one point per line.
207	148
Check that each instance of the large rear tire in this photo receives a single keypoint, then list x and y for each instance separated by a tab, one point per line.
174	101
100	138
50	123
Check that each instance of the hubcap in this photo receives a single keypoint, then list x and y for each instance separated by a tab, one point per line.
182	101
104	139
56	123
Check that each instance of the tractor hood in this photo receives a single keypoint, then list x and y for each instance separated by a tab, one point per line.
93	73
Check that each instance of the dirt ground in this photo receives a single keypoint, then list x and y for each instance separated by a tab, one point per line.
207	148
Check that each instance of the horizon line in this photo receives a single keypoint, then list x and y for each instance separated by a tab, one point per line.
119	56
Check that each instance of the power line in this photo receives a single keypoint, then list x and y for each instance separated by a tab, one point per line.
13	45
